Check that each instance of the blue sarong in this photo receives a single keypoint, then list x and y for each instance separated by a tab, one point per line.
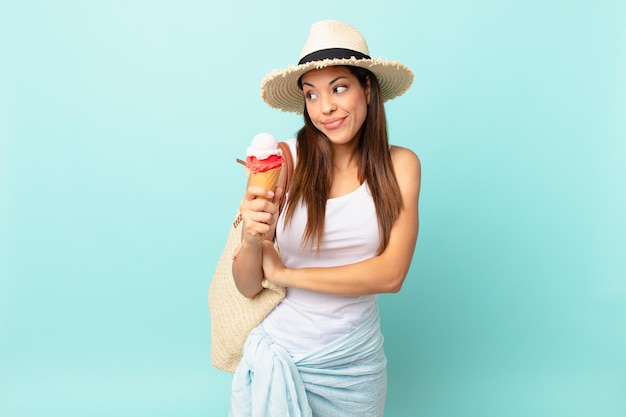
345	378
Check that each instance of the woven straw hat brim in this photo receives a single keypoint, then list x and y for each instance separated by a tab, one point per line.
279	88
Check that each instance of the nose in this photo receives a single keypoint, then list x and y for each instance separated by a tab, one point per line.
328	106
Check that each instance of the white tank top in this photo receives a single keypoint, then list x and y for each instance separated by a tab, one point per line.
307	320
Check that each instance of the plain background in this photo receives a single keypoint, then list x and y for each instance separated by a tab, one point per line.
120	122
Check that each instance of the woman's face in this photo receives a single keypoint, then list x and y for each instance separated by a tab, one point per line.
336	102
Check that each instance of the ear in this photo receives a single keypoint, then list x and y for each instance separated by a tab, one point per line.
368	89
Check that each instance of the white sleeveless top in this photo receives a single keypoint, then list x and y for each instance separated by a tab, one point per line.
307	320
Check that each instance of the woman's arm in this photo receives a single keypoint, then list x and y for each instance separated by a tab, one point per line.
381	274
259	218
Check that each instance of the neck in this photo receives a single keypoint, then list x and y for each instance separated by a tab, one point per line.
345	156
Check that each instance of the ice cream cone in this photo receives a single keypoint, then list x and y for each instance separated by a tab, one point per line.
267	179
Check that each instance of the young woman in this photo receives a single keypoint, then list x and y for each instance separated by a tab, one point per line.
347	233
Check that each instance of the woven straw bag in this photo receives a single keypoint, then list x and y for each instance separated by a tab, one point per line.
233	316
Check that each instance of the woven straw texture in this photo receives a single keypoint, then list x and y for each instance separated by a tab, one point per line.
233	316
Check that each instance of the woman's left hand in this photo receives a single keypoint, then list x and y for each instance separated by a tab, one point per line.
272	264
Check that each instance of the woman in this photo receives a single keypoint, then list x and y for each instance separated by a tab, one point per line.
347	233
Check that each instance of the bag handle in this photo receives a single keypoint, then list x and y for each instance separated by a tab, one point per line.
284	146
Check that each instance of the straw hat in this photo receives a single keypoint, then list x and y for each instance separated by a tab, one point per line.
332	43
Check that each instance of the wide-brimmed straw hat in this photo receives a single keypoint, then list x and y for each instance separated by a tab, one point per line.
332	43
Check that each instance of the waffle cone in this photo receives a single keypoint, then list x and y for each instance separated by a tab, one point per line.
267	179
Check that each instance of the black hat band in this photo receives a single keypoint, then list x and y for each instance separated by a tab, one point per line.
332	53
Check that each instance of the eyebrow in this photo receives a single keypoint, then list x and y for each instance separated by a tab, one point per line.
331	82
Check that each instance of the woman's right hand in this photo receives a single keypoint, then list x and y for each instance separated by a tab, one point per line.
259	212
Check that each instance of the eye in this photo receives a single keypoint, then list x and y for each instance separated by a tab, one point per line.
340	89
310	95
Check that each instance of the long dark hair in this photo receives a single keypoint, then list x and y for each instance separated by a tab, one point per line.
312	176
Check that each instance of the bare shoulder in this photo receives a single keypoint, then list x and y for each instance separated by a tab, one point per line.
406	163
408	170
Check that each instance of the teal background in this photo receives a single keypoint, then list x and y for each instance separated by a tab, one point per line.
119	125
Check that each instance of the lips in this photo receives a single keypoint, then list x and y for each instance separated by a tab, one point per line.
331	124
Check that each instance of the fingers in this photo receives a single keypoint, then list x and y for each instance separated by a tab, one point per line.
258	212
256	192
256	225
236	252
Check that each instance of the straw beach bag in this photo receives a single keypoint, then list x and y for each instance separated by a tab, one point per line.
232	315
